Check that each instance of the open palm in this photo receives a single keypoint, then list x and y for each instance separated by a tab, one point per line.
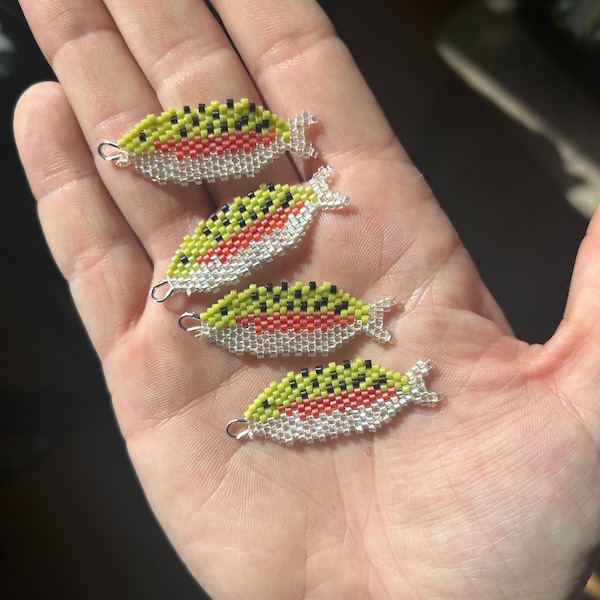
492	494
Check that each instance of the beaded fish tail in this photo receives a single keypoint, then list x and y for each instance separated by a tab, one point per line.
332	400
288	319
209	142
244	235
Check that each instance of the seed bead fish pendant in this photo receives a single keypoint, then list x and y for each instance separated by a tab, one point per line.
288	319
210	142
242	236
339	399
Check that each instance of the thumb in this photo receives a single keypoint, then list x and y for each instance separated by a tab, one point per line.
572	357
583	304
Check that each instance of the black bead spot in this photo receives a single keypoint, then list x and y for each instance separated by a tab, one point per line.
174	119
304	372
187	110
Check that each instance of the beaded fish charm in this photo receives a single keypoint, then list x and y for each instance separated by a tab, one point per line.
328	401
239	238
210	142
288	319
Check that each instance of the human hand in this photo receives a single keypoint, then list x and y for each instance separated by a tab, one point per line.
491	495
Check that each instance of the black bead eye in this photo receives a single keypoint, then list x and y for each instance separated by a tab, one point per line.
184	260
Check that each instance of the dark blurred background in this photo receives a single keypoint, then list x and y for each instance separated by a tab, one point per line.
496	102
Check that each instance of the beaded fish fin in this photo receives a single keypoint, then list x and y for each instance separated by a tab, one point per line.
288	319
209	142
332	400
244	235
374	326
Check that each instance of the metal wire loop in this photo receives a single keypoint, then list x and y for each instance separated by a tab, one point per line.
189	315
240	434
110	157
159	285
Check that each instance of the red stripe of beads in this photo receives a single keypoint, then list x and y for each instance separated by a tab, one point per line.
294	321
212	144
255	232
345	401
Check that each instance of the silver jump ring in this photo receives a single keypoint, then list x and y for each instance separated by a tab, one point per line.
241	434
110	157
189	315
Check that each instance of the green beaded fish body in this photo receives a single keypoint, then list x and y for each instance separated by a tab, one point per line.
210	142
333	400
245	234
289	319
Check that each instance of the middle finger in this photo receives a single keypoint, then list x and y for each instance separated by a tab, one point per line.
187	58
